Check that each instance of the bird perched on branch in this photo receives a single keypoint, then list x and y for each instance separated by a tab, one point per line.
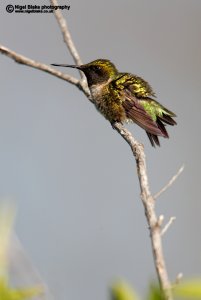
123	97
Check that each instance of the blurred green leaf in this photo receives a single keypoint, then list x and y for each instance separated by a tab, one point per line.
155	293
7	293
122	291
190	289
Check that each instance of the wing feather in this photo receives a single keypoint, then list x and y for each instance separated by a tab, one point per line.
135	92
138	115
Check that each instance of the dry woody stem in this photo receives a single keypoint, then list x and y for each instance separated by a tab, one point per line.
37	65
137	149
149	207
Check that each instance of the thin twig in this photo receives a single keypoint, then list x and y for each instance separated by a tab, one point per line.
68	40
170	182
67	36
37	65
166	227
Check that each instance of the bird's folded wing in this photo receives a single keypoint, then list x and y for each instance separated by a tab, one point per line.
135	111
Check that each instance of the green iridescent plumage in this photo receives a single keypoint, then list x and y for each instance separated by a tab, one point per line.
122	97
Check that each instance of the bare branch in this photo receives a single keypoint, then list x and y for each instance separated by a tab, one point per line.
166	227
37	65
149	207
70	45
170	182
66	35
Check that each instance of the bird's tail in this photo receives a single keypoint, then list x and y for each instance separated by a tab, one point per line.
161	122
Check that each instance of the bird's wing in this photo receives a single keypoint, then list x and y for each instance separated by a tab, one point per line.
135	84
140	107
136	112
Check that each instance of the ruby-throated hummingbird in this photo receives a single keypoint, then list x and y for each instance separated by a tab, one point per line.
122	97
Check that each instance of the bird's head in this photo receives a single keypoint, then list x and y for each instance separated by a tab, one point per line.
97	71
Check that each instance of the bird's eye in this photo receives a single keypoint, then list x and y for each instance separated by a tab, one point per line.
97	68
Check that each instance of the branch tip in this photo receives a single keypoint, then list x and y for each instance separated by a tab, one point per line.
170	182
160	220
179	278
169	223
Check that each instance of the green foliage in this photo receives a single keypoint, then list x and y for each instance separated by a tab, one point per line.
190	289
186	290
154	293
7	293
122	291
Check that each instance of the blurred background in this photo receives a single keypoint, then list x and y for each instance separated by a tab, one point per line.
73	178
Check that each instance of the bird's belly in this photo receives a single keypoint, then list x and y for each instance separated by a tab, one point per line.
109	107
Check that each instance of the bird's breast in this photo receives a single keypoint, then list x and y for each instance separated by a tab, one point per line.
106	103
98	91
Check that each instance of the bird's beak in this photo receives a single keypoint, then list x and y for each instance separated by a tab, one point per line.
68	66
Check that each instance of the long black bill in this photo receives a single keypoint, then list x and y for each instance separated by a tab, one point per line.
69	66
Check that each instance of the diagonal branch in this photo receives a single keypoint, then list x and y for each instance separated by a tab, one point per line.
67	36
70	45
170	182
166	227
37	65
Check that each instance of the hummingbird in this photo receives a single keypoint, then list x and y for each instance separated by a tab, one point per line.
124	97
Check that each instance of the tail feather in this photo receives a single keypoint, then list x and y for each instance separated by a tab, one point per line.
160	123
153	139
161	126
149	115
168	120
